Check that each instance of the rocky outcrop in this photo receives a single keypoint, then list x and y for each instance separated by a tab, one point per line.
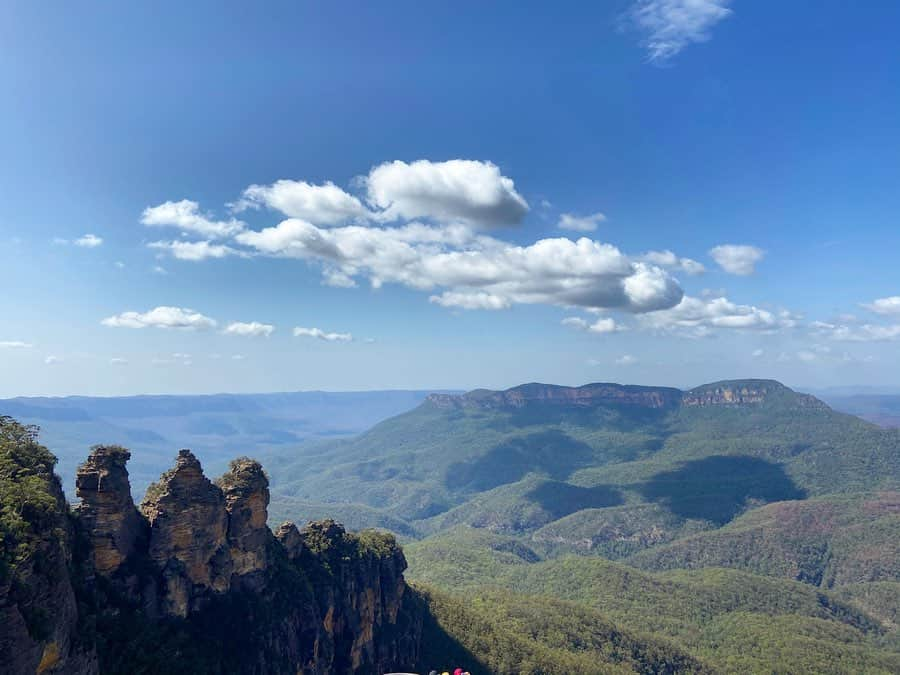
367	599
198	567
246	490
585	396
289	537
107	511
188	527
747	393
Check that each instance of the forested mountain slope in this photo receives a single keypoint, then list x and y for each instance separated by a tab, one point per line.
604	468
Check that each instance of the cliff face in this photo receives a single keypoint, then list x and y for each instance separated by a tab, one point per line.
107	510
585	396
246	490
747	393
734	393
39	618
195	582
188	525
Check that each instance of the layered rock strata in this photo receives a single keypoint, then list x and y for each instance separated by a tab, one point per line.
194	581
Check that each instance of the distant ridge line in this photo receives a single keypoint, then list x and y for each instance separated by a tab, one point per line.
724	393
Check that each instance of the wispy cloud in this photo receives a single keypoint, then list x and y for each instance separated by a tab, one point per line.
252	328
669	260
322	335
889	305
325	204
85	241
186	215
599	327
15	344
856	333
738	259
669	26
89	241
569	221
700	317
193	250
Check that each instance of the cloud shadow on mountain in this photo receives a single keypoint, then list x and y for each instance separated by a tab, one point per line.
718	488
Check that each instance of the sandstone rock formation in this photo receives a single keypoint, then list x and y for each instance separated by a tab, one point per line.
289	537
748	392
106	509
194	581
312	601
246	490
188	526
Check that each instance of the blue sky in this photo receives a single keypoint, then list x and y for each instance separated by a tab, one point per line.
202	197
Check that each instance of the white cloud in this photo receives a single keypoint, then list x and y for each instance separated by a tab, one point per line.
161	317
669	260
606	325
325	204
859	333
470	300
119	264
575	322
737	259
626	360
671	25
458	190
253	328
569	221
160	270
889	305
337	279
758	353
696	317
88	241
193	250
15	344
806	356
322	335
85	241
238	357
600	326
116	361
559	271
52	360
186	215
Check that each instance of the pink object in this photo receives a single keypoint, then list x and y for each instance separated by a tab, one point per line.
458	671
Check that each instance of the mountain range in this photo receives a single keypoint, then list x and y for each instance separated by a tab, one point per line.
737	527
